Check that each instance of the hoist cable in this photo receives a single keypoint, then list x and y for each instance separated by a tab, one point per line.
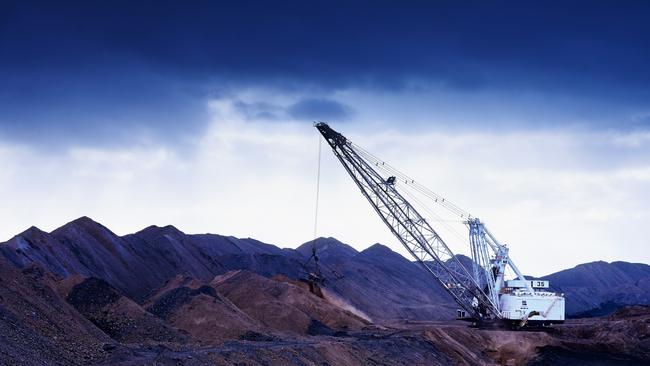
437	217
382	165
320	144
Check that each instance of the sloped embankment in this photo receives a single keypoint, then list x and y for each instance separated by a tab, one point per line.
118	316
37	327
202	312
284	306
622	338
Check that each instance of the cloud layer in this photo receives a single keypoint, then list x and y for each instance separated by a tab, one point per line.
534	117
101	73
539	191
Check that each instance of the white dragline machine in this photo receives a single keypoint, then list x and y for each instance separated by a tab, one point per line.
482	291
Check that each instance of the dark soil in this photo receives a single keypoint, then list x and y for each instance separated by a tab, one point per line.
559	356
91	295
119	317
174	299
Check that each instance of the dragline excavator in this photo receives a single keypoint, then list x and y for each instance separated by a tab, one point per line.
482	291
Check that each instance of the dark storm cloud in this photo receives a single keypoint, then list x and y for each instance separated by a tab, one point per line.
259	110
89	66
326	109
56	109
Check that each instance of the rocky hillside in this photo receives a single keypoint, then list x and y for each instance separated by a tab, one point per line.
385	285
83	295
376	282
38	327
599	288
140	263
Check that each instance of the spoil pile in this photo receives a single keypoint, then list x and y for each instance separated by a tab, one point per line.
207	316
38	327
118	316
284	306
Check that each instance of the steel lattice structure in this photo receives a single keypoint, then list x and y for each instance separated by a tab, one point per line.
411	228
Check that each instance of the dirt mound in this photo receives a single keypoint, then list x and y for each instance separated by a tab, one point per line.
170	301
625	333
631	312
284	306
173	283
328	295
329	250
38	327
206	315
377	281
388	287
367	349
243	317
118	316
65	285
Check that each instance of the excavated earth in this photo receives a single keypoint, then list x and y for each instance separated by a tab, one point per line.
241	318
83	296
435	343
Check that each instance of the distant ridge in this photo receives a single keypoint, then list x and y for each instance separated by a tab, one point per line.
599	288
377	281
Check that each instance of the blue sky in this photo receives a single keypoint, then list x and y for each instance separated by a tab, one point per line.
534	114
